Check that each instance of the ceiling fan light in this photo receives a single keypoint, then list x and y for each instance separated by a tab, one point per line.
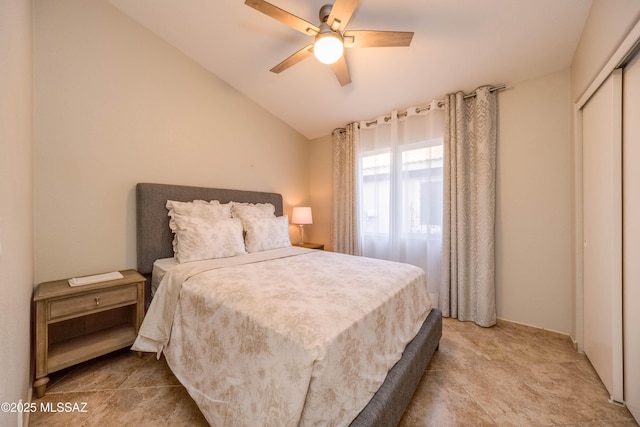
328	47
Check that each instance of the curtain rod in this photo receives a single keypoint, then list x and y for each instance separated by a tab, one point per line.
439	104
491	89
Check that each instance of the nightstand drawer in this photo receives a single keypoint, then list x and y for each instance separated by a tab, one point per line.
92	301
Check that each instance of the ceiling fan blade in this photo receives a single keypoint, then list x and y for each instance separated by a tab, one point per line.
303	53
365	38
341	71
341	14
283	16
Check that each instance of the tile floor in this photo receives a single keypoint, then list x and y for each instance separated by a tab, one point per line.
508	375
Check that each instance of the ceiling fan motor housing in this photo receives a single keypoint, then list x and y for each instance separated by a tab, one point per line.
325	11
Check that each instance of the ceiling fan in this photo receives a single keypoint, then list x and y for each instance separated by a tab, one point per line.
330	36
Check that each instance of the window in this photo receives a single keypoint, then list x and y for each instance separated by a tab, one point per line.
418	179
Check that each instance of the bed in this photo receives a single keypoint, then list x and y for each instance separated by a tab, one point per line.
202	360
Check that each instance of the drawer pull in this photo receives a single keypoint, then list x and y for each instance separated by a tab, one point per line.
97	300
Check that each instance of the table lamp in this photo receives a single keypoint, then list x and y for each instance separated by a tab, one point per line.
301	215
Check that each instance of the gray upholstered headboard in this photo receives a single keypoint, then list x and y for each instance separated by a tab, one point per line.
153	235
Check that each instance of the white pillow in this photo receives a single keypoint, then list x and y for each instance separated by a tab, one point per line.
198	208
201	238
250	210
266	233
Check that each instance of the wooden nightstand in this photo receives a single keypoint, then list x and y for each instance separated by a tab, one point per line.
74	324
307	245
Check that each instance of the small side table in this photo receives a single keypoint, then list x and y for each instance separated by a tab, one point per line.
308	245
77	323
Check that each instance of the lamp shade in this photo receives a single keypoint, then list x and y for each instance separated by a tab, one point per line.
301	215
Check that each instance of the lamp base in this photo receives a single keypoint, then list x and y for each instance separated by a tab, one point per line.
301	235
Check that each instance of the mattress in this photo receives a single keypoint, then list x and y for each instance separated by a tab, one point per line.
297	337
160	268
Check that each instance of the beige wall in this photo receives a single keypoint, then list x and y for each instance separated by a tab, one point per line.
321	190
533	216
116	105
16	210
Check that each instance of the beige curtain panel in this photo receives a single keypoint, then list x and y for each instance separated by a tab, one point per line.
345	235
467	290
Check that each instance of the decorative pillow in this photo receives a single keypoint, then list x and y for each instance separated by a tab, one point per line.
213	210
251	210
201	238
266	233
198	208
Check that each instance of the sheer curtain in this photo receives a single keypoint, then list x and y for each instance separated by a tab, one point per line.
399	168
468	266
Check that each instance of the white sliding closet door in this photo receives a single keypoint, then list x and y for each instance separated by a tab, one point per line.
631	234
602	231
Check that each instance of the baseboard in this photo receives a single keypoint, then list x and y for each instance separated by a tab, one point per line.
544	330
574	342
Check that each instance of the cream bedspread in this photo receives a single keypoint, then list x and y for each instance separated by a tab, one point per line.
292	337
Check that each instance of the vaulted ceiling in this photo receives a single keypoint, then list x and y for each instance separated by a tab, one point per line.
458	45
